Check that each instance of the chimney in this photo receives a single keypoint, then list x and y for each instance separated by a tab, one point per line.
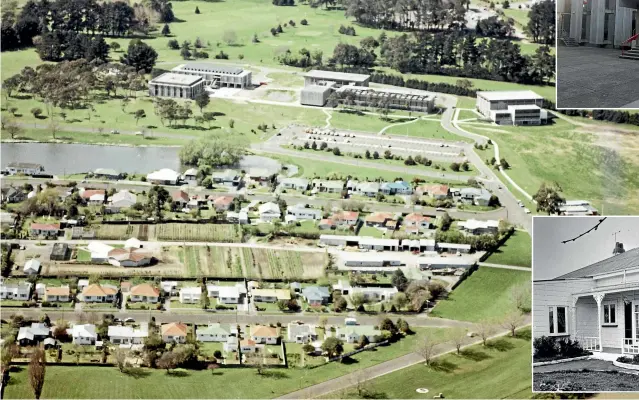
618	249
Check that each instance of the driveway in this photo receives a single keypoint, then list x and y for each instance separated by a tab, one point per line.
590	77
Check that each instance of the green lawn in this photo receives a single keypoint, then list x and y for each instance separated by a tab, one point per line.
598	167
370	231
483	296
497	371
427	130
516	251
100	383
83	256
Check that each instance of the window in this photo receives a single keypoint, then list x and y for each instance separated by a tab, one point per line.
557	322
610	315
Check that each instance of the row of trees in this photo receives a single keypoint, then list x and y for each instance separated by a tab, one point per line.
90	17
69	45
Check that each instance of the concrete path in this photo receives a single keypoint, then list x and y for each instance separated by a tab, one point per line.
381	132
514	267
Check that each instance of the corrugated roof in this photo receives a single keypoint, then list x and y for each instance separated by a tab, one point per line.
629	259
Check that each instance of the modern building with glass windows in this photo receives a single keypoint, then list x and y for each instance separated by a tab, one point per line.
517	107
598	22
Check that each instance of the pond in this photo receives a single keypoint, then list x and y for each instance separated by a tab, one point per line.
65	159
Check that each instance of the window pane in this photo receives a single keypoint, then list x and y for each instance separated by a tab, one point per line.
551	320
561	319
606	314
613	317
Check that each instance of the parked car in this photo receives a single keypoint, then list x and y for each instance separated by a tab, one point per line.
115	131
527	211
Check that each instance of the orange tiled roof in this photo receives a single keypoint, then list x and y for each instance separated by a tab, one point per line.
173	329
96	289
144	289
263	331
58	291
379	217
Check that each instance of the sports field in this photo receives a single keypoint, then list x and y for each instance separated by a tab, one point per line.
516	251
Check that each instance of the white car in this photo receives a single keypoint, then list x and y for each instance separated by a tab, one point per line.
527	211
139	133
440	209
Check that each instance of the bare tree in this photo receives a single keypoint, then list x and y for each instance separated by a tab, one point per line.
167	361
484	329
37	369
54	127
322	323
120	359
521	297
459	337
426	348
12	128
512	321
359	381
257	360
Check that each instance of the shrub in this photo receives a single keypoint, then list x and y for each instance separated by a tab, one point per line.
304	22
173	44
545	347
222	56
217	354
570	348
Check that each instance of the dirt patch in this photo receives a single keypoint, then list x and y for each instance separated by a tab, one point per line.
282	96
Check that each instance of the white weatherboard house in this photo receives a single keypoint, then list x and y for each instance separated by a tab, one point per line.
597	305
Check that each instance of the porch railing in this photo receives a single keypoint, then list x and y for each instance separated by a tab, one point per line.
629	347
590	343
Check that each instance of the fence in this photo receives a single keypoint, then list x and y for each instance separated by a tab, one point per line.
351	353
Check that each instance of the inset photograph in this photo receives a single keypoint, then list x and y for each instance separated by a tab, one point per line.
598	54
586	304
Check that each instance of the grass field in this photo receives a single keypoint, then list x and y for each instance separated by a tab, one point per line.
485	295
121	232
100	383
500	370
195	232
427	130
516	251
597	163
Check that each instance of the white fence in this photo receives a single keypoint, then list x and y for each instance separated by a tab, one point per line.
590	343
629	347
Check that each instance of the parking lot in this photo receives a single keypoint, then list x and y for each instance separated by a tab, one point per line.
357	142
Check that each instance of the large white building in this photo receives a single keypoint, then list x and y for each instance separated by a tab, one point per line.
216	75
598	22
518	107
176	85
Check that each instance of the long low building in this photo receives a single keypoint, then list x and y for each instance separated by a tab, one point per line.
216	75
577	207
517	107
176	85
358	259
365	97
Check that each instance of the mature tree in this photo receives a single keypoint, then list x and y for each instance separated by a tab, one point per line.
166	31
402	326
548	198
357	300
541	22
140	55
36	370
419	294
399	280
185	50
211	151
115	46
446	220
202	100
167	361
340	303
333	346
229	37
400	300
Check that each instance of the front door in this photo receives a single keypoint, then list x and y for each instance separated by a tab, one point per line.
628	318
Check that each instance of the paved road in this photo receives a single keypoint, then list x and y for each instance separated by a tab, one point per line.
201	317
514	267
290	199
346	381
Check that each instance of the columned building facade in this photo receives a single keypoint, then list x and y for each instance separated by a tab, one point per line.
598	22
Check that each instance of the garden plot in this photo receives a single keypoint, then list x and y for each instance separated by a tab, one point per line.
225	233
124	232
272	264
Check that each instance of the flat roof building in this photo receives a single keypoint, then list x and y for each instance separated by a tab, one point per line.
517	107
316	95
176	85
316	76
216	75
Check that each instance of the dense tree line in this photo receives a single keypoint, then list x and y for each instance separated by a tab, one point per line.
69	45
283	2
304	58
615	116
207	153
89	17
408	14
541	22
